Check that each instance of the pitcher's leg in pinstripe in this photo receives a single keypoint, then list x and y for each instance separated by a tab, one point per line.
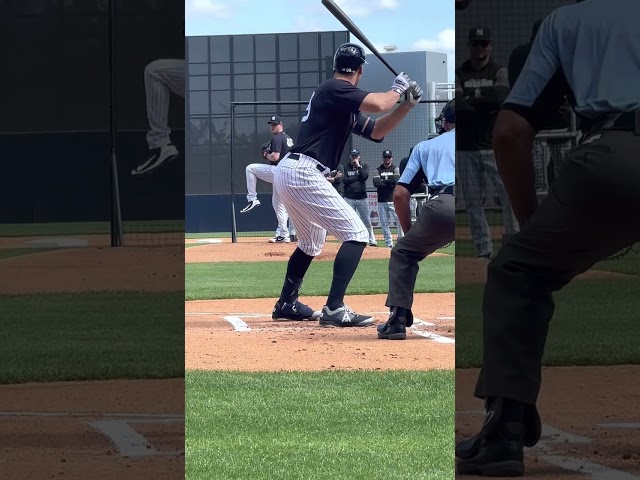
161	78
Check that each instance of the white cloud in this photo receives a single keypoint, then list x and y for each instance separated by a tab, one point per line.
307	24
362	8
445	42
207	8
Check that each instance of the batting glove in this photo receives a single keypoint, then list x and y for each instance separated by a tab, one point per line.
401	84
414	94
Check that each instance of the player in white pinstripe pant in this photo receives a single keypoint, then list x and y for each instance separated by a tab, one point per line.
161	78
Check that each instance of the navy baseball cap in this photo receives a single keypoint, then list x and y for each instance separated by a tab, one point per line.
275	120
387	153
480	33
355	152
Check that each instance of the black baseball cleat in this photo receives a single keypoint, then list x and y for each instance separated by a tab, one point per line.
293	312
293	238
498	450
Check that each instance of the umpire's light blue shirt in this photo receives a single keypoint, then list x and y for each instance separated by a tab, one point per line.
596	44
436	158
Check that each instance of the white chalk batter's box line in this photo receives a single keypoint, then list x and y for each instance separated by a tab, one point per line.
547	450
117	428
240	325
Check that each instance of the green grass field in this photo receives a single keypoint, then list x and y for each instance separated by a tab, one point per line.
595	322
262	280
77	337
329	425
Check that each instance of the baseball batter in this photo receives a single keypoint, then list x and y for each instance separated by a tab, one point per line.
161	78
582	51
433	161
333	113
274	152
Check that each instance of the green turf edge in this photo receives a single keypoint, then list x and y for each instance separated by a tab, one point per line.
209	281
62	337
338	425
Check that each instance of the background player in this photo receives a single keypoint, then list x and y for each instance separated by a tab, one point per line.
161	78
571	229
332	114
277	149
481	86
385	180
335	178
434	162
355	191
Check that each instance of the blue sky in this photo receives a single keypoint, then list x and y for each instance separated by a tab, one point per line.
407	24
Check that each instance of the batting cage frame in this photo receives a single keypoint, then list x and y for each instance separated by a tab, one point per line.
418	126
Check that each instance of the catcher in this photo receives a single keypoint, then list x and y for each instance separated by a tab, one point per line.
273	151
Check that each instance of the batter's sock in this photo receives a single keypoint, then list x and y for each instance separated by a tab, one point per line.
296	269
344	267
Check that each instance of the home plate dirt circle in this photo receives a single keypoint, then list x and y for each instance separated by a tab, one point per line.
240	335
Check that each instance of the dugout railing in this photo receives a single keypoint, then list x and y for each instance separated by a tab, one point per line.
248	133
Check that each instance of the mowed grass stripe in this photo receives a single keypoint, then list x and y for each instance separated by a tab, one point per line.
595	323
91	336
337	425
207	281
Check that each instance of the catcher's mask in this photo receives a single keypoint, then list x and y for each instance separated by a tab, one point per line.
448	113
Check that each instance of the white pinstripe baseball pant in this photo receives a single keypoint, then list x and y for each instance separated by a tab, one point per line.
315	206
161	77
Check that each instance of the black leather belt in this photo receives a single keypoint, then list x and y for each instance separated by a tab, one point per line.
321	168
448	190
628	122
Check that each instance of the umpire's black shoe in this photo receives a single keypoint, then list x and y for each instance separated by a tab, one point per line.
500	454
396	327
498	450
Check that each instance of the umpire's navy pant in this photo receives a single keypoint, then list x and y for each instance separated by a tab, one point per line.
434	228
590	214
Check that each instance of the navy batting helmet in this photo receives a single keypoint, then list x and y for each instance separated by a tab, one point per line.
348	58
448	113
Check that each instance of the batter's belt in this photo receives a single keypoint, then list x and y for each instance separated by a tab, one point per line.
320	167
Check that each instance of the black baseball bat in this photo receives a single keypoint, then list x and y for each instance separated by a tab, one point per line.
349	25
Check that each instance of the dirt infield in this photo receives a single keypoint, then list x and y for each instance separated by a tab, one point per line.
125	429
240	335
591	422
93	269
265	251
80	430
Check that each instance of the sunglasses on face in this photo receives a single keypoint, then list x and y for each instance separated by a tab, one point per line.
480	43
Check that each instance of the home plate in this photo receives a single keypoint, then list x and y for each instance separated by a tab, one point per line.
209	240
57	242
